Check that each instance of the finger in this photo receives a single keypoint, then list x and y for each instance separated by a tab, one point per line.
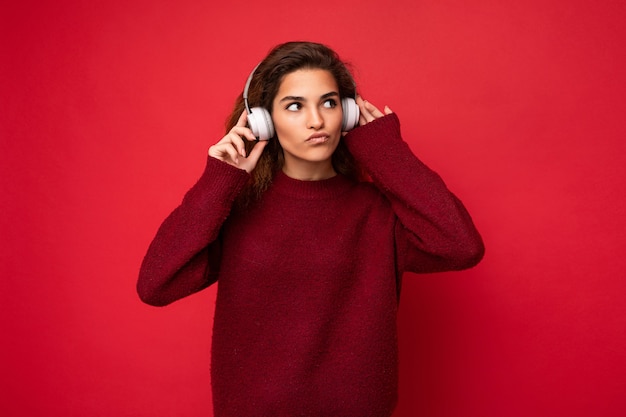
236	141
237	134
363	116
366	112
243	119
256	152
388	110
373	110
249	163
244	132
225	152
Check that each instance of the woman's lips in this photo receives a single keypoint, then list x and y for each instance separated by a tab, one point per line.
318	138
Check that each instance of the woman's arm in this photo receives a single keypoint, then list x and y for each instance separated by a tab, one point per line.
434	231
185	254
183	257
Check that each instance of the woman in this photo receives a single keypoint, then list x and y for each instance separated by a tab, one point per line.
308	255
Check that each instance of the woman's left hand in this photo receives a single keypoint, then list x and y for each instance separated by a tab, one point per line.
369	112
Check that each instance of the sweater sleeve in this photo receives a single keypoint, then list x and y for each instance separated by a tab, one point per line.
184	256
434	231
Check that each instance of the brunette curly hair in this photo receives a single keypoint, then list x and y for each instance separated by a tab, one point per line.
264	85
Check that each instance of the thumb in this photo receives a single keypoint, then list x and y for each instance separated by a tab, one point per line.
255	153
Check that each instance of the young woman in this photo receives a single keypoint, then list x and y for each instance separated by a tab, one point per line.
308	235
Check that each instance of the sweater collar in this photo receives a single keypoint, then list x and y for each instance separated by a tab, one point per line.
310	190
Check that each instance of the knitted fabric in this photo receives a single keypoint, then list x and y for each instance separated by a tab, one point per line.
308	276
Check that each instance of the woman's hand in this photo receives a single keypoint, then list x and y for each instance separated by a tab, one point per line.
369	112
232	150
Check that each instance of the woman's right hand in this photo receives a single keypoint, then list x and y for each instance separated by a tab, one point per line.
231	148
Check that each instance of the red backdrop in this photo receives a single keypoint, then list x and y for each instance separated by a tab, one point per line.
107	109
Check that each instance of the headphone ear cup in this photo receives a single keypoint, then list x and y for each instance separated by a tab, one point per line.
350	114
260	122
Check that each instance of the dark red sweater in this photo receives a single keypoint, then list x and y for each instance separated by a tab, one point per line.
305	318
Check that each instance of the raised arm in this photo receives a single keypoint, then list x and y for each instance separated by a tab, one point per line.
183	257
185	254
434	230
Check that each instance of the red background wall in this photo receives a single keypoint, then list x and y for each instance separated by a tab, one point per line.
107	109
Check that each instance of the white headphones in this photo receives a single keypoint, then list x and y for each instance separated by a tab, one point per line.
260	121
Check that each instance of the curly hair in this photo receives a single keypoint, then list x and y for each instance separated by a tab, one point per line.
264	85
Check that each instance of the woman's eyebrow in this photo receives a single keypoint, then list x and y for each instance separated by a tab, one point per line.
292	98
298	98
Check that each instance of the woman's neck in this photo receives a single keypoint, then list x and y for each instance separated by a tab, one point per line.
309	171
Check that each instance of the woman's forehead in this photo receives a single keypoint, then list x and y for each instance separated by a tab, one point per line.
306	83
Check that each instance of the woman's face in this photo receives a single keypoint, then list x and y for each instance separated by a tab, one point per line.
307	117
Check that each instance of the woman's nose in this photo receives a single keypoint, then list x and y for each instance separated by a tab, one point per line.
315	119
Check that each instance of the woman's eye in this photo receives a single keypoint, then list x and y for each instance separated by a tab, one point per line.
330	103
294	107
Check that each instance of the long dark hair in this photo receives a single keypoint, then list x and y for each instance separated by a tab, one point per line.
282	60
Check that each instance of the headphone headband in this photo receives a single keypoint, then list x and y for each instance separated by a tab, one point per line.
245	90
